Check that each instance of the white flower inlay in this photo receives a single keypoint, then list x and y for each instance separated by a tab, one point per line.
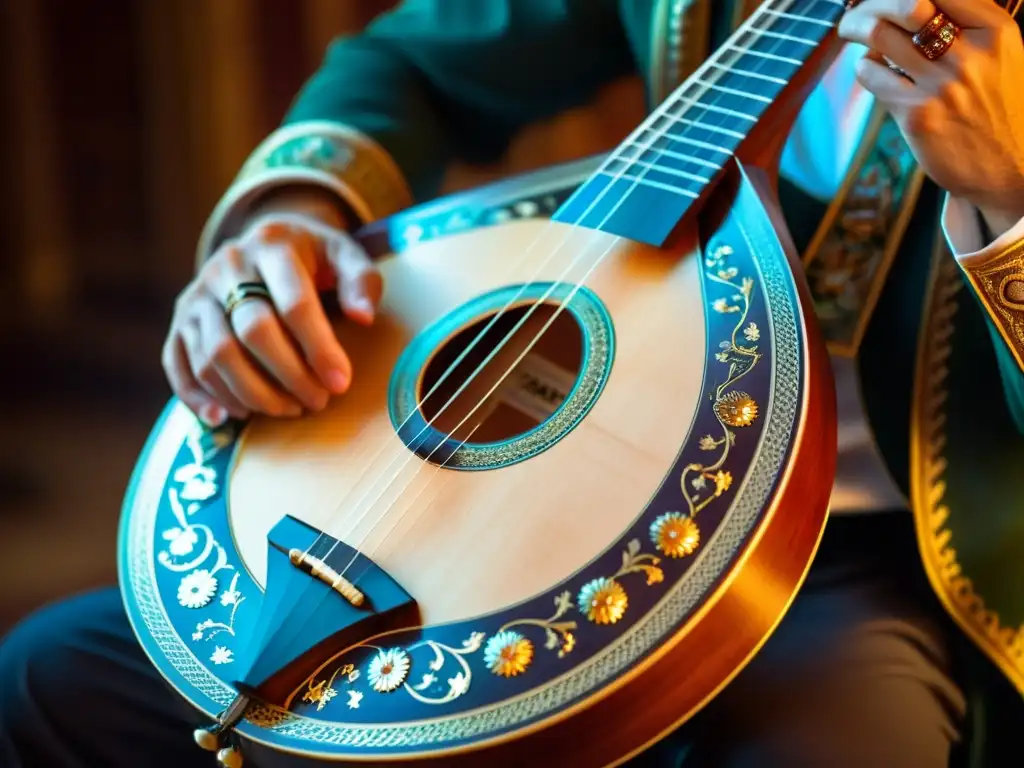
197	589
388	670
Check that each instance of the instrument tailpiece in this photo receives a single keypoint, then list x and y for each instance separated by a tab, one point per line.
321	596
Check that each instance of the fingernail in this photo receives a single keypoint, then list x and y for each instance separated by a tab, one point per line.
364	307
337	381
213	415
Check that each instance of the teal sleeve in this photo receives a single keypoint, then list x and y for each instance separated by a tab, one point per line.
1011	375
436	80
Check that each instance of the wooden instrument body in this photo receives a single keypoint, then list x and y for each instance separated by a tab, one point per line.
509	540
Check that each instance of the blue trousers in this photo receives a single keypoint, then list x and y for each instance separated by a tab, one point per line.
858	674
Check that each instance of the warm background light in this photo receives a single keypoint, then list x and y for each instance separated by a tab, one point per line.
123	122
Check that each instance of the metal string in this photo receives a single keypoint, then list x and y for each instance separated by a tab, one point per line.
549	322
747	27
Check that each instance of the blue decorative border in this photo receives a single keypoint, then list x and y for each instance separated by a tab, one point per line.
394	726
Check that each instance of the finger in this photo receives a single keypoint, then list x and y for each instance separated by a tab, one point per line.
216	357
971	14
287	270
257	326
360	284
889	87
884	38
185	387
263	338
242	377
910	15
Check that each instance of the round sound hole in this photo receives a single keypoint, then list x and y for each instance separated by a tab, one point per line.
503	377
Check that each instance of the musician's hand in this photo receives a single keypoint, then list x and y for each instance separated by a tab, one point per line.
963	114
269	357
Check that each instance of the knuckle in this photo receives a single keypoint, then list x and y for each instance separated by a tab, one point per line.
230	255
257	331
916	11
223	353
920	120
183	301
206	372
957	96
297	309
875	33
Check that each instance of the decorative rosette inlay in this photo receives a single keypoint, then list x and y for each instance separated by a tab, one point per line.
736	409
508	653
675	535
603	601
388	670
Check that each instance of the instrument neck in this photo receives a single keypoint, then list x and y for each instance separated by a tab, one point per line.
650	180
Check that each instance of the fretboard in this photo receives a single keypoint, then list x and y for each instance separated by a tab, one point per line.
649	182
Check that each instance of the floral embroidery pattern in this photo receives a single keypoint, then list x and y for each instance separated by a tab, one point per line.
191	547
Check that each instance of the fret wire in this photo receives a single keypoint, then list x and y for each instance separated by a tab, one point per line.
754	31
707	127
697	143
724	89
766	55
668	170
649	183
721	110
797	17
747	73
790	38
678	155
751	34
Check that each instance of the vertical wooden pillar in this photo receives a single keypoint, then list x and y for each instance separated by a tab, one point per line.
42	267
220	62
169	172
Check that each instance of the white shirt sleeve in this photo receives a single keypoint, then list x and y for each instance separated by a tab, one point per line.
964	235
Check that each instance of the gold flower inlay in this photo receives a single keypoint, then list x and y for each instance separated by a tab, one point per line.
603	601
675	535
736	409
508	654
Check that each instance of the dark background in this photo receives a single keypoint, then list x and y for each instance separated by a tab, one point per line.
122	123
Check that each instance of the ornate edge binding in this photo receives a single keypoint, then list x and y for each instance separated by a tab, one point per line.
999	283
144	606
332	156
1003	645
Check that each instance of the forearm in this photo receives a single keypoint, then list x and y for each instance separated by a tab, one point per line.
377	125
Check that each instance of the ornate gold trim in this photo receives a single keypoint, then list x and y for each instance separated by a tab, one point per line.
830	228
1003	645
999	283
331	156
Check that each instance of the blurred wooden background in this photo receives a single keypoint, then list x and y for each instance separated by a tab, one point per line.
123	123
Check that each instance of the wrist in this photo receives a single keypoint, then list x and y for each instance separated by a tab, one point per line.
311	201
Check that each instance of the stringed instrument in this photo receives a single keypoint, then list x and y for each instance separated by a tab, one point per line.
582	473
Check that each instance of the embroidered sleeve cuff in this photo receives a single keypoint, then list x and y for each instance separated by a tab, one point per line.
331	156
995	270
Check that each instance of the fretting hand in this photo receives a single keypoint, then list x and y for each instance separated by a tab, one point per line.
275	353
962	113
